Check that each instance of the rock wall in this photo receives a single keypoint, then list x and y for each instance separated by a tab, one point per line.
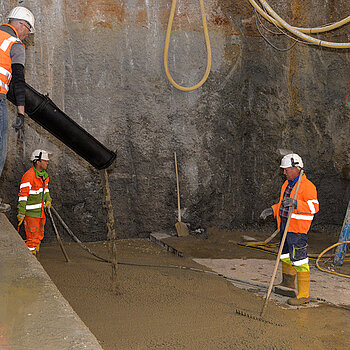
101	61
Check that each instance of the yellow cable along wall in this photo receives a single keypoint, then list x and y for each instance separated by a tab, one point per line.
300	32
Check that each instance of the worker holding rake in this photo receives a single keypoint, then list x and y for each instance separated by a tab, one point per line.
294	254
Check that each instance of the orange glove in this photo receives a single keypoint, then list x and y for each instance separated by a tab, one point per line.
48	204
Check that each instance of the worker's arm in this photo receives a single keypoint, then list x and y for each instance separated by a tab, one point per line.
19	91
47	197
23	195
19	85
18	58
308	203
17	55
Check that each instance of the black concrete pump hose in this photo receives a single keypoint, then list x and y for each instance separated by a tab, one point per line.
43	111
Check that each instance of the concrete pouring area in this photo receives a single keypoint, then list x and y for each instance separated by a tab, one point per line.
167	301
163	133
33	313
253	273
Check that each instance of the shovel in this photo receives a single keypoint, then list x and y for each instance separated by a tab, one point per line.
181	228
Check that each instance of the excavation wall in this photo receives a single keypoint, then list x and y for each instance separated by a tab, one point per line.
101	61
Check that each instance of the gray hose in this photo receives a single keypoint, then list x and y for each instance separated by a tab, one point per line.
75	238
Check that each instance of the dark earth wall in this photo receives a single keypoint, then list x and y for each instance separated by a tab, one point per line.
101	61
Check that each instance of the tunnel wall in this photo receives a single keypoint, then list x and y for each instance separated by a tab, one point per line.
101	62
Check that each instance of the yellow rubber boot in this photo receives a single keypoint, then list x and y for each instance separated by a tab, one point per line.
303	289
37	248
287	286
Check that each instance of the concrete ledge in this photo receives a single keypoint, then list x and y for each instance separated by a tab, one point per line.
33	313
158	237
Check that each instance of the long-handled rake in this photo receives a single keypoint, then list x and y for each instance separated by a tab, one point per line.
281	246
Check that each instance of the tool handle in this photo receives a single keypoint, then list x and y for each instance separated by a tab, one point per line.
178	189
57	235
281	245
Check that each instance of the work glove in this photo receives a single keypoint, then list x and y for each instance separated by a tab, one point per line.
19	125
288	202
48	204
20	218
265	213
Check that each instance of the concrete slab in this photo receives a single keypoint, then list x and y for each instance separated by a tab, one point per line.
33	313
221	254
331	288
160	239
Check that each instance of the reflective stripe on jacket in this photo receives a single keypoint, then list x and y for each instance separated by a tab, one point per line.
307	206
6	42
34	192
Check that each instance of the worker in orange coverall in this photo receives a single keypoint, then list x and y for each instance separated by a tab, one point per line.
294	257
34	197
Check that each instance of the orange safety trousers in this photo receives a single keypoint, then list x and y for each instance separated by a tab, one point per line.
34	228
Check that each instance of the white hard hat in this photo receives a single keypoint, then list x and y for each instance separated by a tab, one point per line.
292	160
24	14
39	154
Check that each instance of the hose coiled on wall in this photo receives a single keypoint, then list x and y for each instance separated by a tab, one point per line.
166	49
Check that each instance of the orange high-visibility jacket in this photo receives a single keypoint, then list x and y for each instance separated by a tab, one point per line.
6	42
34	192
307	206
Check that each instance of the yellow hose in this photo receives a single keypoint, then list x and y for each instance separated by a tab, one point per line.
326	250
298	33
321	29
166	49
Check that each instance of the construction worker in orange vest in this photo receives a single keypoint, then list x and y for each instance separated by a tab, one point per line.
294	257
34	197
12	60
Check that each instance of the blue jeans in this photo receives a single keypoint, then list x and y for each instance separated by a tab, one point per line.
3	132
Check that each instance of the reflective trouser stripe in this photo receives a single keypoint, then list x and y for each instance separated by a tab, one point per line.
285	257
300	262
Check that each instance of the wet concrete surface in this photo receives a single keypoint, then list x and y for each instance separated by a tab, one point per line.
33	313
161	306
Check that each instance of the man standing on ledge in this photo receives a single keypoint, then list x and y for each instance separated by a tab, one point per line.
294	254
12	60
34	196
